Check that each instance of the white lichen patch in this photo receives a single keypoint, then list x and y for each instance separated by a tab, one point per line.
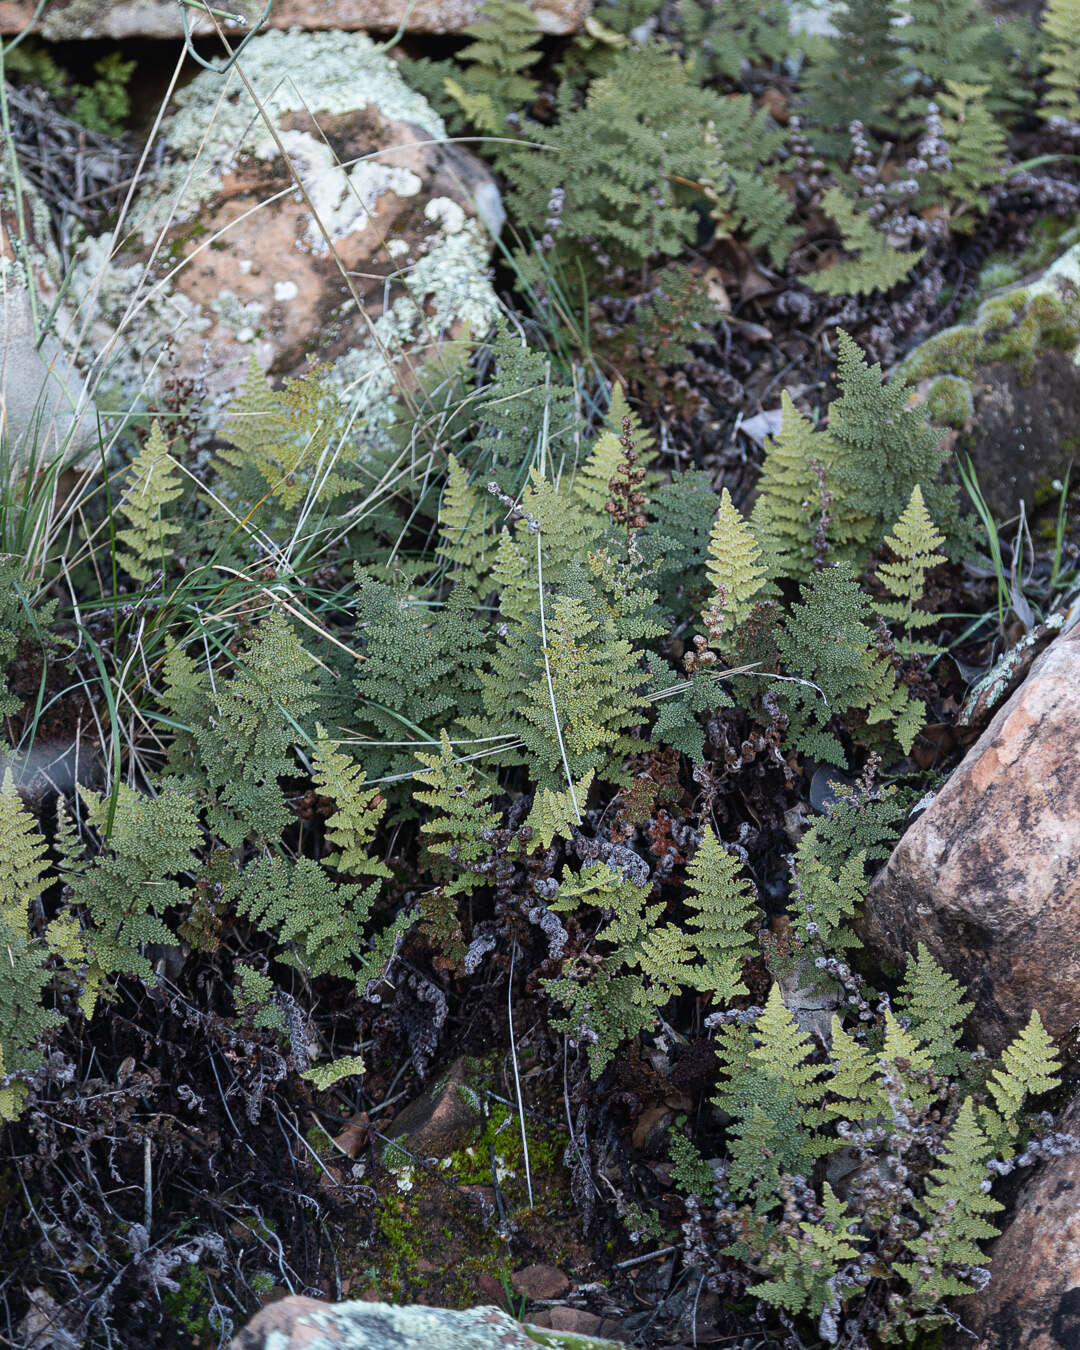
245	319
218	123
284	291
343	199
448	286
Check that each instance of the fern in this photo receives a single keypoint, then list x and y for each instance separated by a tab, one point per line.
24	1022
855	78
618	160
1060	31
854	1091
885	447
827	641
240	731
722	905
524	407
915	544
557	813
876	266
154	484
465	549
977	148
132	882
23	865
934	1005
1029	1066
734	569
941	42
491	85
720	37
353	825
786	515
802	1271
318	922
955	1205
826	900
253	995
461	816
745	198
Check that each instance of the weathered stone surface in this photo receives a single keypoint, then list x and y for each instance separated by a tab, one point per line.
1008	387
440	1120
75	20
342	227
1033	1299
989	875
304	1322
540	1281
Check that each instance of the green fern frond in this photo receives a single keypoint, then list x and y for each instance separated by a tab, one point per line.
1060	31
934	1004
723	907
153	485
557	813
461	814
1029	1066
23	865
875	266
788	509
505	42
733	566
464	547
353	825
915	543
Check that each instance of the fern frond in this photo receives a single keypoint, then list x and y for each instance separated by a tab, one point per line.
1029	1066
461	814
153	485
352	827
733	566
934	1004
915	543
876	265
23	864
723	907
557	813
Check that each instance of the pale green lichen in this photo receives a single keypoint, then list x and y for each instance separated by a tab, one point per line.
217	122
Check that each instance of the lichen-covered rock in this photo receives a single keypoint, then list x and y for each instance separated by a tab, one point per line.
341	226
1007	385
46	410
988	877
76	20
1032	1301
306	1324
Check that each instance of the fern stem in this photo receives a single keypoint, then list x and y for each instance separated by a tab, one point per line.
550	683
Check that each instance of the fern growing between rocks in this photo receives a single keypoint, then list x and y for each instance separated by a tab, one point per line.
1060	32
955	1206
491	84
915	544
805	1258
933	1003
153	485
1029	1066
875	266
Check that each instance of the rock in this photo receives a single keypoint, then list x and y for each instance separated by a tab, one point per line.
540	1282
77	20
1006	384
384	250
989	875
46	410
1033	1299
305	1322
440	1121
